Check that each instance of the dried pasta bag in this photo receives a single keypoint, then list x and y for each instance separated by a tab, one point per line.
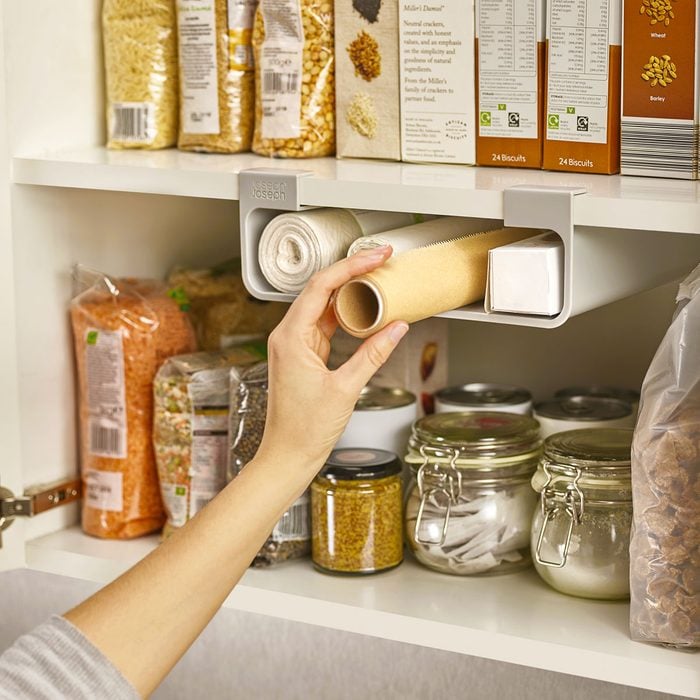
190	428
123	329
294	79
665	547
291	537
217	85
140	50
220	307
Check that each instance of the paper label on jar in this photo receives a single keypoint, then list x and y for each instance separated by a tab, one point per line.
199	81
209	454
294	524
281	64
104	366
104	490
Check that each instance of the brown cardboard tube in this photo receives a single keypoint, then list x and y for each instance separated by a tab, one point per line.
361	305
421	282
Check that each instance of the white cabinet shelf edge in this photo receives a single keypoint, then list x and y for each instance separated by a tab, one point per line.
515	619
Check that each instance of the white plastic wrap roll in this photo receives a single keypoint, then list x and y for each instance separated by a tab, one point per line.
418	236
296	245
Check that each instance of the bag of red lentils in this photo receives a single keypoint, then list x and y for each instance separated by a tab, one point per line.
123	329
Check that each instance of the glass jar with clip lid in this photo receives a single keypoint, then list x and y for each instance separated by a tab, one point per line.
581	531
470	503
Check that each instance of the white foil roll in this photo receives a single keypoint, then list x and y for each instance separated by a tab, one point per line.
295	245
402	240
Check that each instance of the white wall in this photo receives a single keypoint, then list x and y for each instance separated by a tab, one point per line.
244	656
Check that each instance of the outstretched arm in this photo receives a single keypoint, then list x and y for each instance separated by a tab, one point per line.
146	619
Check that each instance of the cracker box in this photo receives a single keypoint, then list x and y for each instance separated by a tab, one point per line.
436	43
367	79
582	129
510	66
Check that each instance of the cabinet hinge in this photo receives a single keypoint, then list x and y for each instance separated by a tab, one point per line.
37	499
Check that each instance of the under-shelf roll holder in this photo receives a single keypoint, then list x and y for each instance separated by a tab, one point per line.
263	194
601	265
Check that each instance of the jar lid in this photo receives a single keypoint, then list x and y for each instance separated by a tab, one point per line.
599	391
583	408
477	433
590	447
484	395
352	464
377	398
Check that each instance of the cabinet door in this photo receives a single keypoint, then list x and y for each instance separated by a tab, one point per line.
11	481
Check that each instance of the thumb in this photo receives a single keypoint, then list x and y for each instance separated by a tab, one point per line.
371	355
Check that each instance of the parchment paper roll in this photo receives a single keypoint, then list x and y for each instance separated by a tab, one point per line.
295	245
434	230
422	282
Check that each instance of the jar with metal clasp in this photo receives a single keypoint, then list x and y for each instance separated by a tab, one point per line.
470	503
581	531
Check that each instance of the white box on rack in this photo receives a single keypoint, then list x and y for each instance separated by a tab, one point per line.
527	277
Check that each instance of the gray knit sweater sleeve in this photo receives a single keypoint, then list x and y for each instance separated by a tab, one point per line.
57	661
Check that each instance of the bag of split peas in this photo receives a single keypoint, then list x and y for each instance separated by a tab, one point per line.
294	79
123	329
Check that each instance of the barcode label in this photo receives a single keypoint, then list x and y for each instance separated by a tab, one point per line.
660	149
132	122
106	441
280	83
294	524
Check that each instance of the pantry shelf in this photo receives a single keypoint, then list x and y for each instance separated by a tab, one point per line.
515	618
610	201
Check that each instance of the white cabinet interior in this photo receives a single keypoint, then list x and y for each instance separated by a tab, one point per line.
141	213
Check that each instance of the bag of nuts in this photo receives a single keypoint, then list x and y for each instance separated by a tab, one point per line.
294	79
291	537
665	548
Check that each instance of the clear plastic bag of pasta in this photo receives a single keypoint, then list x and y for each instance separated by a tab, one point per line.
294	79
140	51
665	547
291	536
217	85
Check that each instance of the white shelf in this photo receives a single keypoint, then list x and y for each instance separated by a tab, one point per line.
611	201
516	618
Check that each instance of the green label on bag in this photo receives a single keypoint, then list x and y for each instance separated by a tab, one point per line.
179	295
91	338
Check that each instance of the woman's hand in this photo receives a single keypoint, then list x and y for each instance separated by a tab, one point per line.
308	404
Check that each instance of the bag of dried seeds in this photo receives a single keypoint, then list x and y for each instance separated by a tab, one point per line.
124	329
190	428
140	51
294	79
291	537
217	86
665	547
220	307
